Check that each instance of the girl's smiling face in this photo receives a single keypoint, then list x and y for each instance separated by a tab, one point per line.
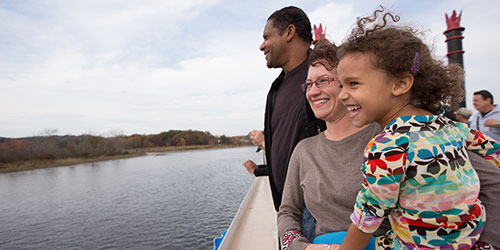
366	91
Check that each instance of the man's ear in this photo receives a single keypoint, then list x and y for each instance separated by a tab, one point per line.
403	84
489	100
290	32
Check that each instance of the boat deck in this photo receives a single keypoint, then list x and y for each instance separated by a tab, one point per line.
254	226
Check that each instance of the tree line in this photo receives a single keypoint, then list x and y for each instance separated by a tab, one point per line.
53	147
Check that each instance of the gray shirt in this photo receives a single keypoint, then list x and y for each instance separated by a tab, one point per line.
326	176
477	122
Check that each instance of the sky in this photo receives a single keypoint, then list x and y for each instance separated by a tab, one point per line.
121	67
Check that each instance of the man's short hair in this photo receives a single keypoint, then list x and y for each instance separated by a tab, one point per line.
485	94
292	15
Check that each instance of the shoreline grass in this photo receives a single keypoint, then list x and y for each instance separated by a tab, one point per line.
38	164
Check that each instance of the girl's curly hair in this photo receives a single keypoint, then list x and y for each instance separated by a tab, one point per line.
394	49
324	53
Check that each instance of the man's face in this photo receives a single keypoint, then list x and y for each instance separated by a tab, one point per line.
274	46
481	104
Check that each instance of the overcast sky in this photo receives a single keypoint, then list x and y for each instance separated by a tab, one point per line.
118	66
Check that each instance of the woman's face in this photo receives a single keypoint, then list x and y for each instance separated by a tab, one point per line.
324	101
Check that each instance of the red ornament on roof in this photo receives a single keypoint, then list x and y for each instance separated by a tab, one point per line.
453	22
319	34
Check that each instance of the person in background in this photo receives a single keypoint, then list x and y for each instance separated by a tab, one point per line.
488	118
288	118
463	115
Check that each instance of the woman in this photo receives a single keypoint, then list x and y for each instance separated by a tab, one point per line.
324	172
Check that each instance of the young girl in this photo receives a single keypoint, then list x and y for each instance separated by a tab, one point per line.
417	171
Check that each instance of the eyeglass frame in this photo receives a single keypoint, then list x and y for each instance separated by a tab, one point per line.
306	87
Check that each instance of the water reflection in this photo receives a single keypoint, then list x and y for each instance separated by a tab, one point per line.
173	200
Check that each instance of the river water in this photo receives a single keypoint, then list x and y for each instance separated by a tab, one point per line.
173	200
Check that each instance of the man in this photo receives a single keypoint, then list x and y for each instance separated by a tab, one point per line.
288	119
463	115
488	118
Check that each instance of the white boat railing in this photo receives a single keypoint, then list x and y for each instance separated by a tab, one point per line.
254	226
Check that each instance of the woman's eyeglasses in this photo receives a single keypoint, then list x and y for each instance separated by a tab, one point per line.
320	83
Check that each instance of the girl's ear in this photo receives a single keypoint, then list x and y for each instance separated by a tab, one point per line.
290	32
403	84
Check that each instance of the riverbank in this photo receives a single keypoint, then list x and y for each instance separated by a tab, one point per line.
180	148
36	164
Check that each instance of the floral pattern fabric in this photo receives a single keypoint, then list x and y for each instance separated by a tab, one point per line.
417	173
289	237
